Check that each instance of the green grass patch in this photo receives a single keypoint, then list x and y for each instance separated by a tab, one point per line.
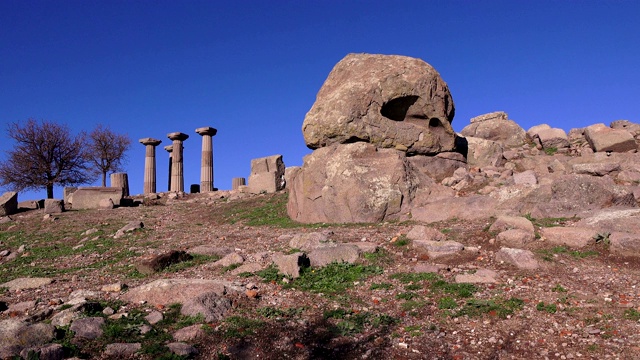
558	288
461	290
402	241
196	260
498	307
550	150
632	314
406	296
550	308
447	303
381	286
333	278
239	327
379	257
351	322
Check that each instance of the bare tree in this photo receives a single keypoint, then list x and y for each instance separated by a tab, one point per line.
45	154
106	151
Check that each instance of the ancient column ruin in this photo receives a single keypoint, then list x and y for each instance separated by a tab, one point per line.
206	170
121	180
150	164
177	175
169	149
237	182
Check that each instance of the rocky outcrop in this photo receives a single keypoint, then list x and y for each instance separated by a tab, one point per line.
8	203
354	183
496	127
386	100
604	138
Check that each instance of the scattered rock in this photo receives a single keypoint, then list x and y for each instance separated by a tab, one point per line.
574	237
182	349
515	237
522	259
290	265
169	291
189	333
596	169
16	335
153	263
87	328
122	350
53	206
230	259
154	317
436	249
480	276
210	250
132	226
504	223
26	283
115	287
420	232
327	255
308	241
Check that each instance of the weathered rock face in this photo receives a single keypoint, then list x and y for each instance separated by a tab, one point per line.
604	138
386	100
8	203
497	127
354	183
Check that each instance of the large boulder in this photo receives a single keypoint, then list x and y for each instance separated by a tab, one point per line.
497	127
8	203
604	138
386	100
354	183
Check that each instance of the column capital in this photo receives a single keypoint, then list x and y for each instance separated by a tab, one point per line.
207	130
150	141
169	148
177	136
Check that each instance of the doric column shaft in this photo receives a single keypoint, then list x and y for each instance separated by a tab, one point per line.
150	164
177	176
206	169
169	149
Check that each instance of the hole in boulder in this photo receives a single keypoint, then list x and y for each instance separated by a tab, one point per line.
396	109
434	122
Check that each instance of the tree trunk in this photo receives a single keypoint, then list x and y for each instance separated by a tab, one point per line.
104	179
50	191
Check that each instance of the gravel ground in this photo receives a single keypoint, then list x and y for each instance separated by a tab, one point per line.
583	304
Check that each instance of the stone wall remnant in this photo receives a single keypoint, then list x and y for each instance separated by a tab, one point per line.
267	175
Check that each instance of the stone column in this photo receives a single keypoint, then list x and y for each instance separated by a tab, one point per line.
177	175
169	149
237	182
206	171
121	180
150	164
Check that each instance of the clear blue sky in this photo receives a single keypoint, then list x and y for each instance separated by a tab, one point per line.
252	69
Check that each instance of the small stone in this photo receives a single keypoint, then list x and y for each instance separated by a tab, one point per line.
252	294
154	317
108	311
